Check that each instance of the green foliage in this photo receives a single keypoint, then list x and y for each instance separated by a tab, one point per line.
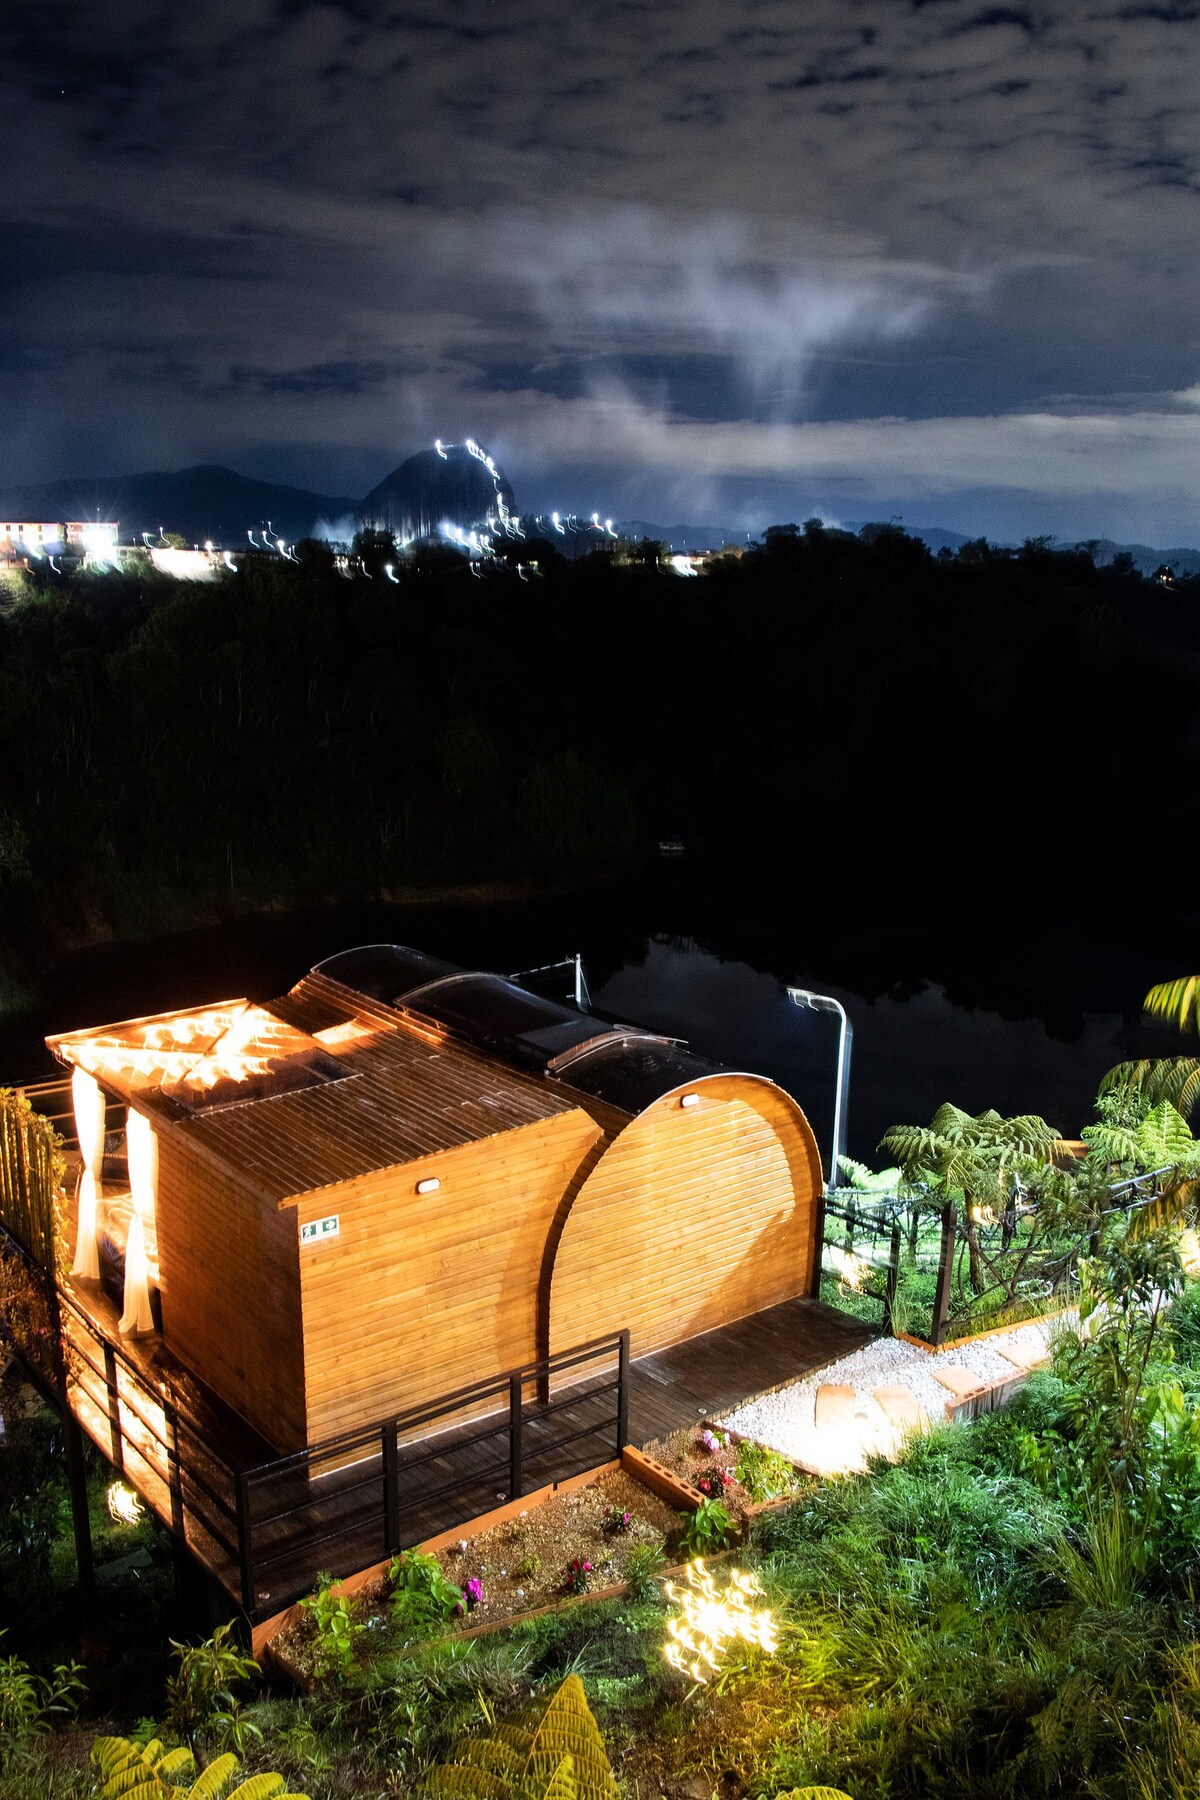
32	1172
972	1156
334	1627
707	1529
1146	1082
573	813
1176	1002
764	1473
32	1489
869	1181
813	1793
1160	1140
130	1771
552	1750
31	1704
528	1566
421	1596
200	1699
643	1566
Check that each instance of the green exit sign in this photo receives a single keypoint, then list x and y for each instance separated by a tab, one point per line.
320	1228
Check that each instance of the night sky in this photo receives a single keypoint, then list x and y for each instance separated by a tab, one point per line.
730	262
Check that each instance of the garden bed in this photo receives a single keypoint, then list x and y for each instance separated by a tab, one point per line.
520	1565
688	1456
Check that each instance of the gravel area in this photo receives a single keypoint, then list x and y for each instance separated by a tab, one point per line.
785	1421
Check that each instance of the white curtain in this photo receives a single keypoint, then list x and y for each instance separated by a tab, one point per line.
87	1098
141	1147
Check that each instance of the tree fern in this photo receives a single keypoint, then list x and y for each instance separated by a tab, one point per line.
130	1771
551	1750
1175	1002
1173	1078
813	1793
1162	1140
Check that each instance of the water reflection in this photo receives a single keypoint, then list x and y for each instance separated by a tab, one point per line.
1024	1019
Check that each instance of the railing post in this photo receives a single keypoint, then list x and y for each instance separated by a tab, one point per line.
893	1280
622	1391
174	1479
114	1408
515	1421
80	1522
941	1301
814	1285
245	1528
391	1490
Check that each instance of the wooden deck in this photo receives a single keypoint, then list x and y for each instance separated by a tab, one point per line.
712	1373
304	1520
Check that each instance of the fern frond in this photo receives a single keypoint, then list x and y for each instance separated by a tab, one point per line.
562	1784
1175	1002
1171	1207
259	1787
215	1778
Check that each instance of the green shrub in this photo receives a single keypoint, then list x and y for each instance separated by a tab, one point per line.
643	1566
422	1598
200	1697
709	1528
528	1567
334	1628
31	1704
764	1473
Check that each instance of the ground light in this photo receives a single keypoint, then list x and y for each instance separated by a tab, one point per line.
123	1504
710	1619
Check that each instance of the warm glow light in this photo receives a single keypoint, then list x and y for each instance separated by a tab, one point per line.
430	1185
711	1618
123	1504
196	1050
689	1100
87	1100
851	1270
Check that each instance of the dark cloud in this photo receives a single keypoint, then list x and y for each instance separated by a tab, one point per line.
708	249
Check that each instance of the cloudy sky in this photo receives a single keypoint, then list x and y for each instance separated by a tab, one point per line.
718	260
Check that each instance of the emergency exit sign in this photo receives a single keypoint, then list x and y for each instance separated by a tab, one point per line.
320	1228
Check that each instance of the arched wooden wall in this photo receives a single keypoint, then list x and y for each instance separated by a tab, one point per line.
693	1217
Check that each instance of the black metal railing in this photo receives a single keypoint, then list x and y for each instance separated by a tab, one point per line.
362	1496
913	1263
266	1531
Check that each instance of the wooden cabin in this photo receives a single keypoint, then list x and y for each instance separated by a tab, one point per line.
403	1177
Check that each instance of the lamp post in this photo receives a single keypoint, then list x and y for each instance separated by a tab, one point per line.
826	1003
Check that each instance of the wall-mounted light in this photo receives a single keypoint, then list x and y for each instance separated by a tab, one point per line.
430	1185
689	1100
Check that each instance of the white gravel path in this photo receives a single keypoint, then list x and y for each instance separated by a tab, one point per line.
784	1419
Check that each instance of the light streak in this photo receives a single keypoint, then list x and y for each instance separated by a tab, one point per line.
229	562
123	1504
710	1619
389	570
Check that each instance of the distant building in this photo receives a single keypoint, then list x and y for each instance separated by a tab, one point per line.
85	539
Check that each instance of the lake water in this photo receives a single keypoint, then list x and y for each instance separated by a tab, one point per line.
1025	1019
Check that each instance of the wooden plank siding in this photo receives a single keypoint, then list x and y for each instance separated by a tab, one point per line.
420	1294
230	1280
694	1217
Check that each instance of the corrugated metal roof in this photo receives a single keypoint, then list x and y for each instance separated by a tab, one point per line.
406	1093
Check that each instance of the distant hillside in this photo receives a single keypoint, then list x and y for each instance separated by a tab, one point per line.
207	502
1146	558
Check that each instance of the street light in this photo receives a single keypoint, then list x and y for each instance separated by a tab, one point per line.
826	1003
